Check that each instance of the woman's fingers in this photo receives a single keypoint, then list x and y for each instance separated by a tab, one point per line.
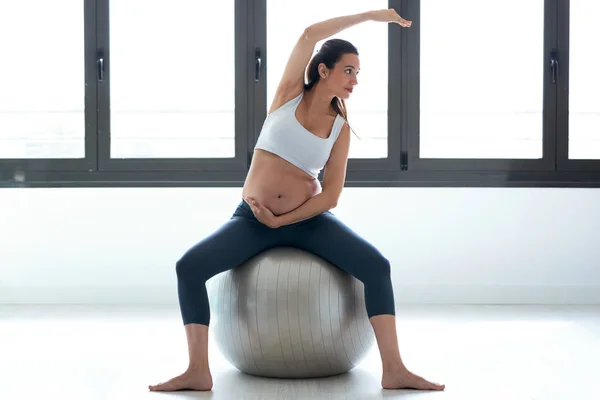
253	204
401	21
404	22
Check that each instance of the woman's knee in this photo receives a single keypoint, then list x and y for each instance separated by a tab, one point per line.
381	267
197	267
183	267
374	269
191	262
190	271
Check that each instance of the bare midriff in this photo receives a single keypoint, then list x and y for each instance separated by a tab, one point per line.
277	184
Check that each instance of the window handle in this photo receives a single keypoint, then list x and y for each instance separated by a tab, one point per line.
554	66
100	67
257	65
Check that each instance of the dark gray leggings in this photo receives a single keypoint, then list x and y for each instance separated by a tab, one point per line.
243	237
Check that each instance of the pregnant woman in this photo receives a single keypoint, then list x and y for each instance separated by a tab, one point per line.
283	202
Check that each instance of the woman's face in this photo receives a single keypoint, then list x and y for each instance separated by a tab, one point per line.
343	77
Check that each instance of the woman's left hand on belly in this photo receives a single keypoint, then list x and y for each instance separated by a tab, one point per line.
262	213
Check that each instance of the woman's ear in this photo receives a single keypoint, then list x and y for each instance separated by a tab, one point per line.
322	70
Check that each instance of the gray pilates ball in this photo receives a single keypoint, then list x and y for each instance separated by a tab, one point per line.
287	313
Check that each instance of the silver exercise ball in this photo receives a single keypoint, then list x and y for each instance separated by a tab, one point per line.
287	313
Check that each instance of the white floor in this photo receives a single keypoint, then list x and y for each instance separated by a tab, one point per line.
479	352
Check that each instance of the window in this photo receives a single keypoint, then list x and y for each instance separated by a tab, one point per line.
481	94
584	82
172	91
154	93
43	124
42	105
479	98
488	105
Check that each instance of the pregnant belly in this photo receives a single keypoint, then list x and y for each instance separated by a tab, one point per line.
277	184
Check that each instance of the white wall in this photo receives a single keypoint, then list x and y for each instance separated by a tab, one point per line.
459	245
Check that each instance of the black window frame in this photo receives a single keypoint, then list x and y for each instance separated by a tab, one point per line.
402	167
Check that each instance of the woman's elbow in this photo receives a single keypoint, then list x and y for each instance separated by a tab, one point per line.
309	33
332	200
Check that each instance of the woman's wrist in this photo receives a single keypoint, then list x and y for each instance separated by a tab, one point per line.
369	15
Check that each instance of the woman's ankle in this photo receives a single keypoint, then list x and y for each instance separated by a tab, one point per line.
393	366
198	367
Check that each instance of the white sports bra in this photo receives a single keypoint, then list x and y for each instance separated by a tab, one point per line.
283	135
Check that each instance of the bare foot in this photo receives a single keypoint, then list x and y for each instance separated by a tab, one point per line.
189	380
404	379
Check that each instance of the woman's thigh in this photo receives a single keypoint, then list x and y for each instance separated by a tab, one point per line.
331	239
233	243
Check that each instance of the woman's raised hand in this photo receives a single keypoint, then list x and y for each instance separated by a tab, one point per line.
389	15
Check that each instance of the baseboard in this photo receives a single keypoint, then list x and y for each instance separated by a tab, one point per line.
89	295
498	294
404	294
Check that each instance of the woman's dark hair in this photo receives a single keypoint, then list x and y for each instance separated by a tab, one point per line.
329	54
